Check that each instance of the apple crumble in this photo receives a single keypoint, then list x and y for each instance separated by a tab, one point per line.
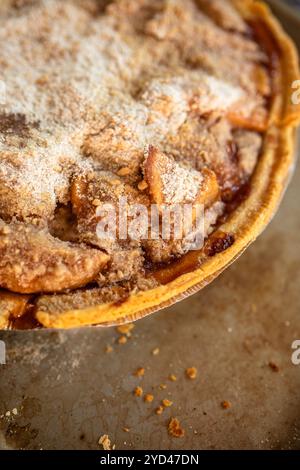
159	102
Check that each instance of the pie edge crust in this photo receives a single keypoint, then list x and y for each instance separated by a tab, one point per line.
269	183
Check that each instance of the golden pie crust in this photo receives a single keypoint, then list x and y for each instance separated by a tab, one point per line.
195	270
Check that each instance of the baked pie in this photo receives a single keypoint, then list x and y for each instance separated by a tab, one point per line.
154	103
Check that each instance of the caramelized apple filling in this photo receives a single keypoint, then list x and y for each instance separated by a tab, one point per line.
153	102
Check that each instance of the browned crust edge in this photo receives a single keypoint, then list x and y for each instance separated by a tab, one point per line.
248	221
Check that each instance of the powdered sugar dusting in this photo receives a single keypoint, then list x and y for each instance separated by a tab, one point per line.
180	184
220	96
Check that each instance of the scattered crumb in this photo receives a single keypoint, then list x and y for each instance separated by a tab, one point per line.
96	202
122	339
126	429
7	414
155	352
191	373
149	398
273	366
15	411
140	372
174	428
138	391
172	378
226	405
109	349
167	403
125	329
142	185
159	410
124	171
104	441
163	387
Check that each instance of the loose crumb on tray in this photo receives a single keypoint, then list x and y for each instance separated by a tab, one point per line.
149	398
173	378
122	339
159	410
140	372
125	329
138	391
174	428
191	373
105	442
226	405
167	403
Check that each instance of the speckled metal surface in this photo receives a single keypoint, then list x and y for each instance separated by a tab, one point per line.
61	390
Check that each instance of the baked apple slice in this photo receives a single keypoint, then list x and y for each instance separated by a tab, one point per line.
169	183
31	260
